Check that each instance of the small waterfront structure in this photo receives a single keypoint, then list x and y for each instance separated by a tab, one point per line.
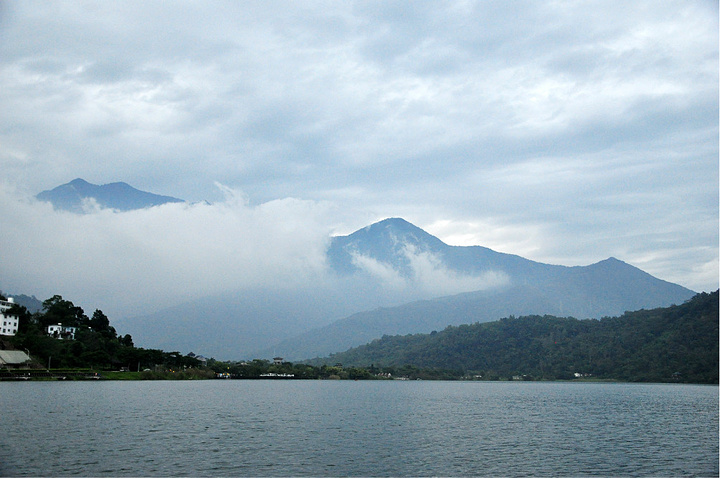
8	323
13	358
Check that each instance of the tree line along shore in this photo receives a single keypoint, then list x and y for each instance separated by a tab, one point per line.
673	344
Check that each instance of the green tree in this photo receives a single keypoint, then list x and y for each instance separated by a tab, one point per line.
126	340
101	324
57	310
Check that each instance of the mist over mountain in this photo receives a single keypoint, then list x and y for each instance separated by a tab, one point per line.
394	278
81	196
243	323
397	243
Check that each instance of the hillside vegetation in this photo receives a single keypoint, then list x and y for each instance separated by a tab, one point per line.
678	343
96	344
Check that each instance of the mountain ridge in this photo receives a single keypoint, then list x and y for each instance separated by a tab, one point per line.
120	196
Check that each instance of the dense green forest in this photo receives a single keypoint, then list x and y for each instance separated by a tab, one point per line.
678	343
96	344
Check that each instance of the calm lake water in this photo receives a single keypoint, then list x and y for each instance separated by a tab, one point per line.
334	428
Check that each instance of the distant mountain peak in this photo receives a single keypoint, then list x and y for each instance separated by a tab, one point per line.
387	241
78	182
119	196
397	228
394	222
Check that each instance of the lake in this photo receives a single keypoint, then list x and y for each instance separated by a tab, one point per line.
364	428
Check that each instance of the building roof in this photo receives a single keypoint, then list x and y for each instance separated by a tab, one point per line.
13	357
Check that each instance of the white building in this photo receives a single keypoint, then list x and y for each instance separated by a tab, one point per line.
60	332
8	323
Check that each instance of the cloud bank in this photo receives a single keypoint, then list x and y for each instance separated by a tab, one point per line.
136	262
131	261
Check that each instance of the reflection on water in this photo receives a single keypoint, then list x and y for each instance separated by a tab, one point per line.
333	428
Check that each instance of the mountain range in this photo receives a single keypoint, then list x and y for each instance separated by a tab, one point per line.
359	306
388	278
607	288
78	195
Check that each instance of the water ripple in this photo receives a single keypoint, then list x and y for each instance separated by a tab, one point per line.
276	428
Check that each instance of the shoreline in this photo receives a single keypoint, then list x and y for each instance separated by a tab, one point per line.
195	374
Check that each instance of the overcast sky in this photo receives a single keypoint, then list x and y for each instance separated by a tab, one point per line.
565	132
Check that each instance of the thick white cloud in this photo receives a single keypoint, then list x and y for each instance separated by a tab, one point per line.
564	132
137	261
426	276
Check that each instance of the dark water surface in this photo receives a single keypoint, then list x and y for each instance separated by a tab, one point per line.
334	428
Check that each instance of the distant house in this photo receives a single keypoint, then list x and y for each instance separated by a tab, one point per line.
277	360
60	332
8	323
203	360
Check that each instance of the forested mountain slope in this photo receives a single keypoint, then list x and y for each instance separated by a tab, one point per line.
677	343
